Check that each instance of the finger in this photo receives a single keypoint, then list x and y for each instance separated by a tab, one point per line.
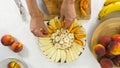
61	17
38	33
68	22
45	31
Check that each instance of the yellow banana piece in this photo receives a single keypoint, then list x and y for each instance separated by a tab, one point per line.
107	2
108	9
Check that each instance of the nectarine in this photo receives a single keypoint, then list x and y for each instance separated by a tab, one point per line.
17	46
13	64
7	40
114	48
105	40
99	50
116	37
106	63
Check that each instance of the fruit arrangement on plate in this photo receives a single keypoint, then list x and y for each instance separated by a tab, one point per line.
105	43
63	45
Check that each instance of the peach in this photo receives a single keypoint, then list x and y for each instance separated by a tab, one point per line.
7	40
116	37
99	50
13	64
17	46
114	48
105	40
106	63
116	60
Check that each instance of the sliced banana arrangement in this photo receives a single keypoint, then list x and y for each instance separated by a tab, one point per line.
63	45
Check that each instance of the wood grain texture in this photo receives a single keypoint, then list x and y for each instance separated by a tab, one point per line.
54	6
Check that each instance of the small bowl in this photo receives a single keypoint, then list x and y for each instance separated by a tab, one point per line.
4	63
108	27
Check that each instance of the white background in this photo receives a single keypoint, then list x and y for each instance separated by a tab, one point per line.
11	23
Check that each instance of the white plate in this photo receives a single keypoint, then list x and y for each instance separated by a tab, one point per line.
4	63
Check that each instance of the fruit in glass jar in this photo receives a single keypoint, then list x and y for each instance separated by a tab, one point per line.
116	37
99	50
116	60
114	48
13	64
106	63
17	46
7	40
105	40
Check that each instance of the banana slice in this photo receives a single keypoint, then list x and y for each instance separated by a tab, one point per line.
42	41
52	59
46	47
81	49
52	23
57	56
74	49
77	23
72	54
48	51
63	56
51	53
68	57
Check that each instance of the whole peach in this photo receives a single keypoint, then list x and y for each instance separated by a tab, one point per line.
17	46
7	40
106	63
105	40
116	37
99	50
11	64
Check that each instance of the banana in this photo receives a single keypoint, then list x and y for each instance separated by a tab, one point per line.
52	23
52	59
79	48
107	2
68	57
46	47
48	51
72	54
51	53
108	9
57	56
75	49
42	41
63	56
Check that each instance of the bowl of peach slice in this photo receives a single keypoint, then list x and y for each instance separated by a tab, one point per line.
105	43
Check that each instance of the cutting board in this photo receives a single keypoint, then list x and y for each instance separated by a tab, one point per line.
54	6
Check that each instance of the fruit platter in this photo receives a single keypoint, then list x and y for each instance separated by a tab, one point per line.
63	45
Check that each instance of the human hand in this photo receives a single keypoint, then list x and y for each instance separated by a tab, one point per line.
68	12
38	27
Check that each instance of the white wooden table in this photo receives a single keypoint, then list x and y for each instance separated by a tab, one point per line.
11	23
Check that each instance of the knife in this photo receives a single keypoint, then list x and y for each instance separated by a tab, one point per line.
42	6
21	9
